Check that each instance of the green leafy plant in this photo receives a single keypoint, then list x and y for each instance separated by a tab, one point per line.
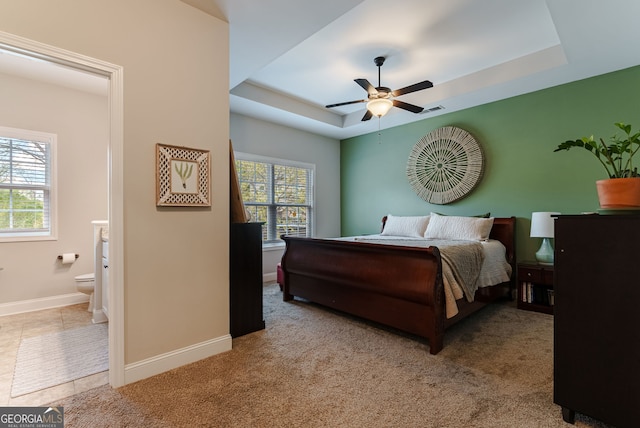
184	172
616	157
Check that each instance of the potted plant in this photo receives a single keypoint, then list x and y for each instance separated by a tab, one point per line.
622	188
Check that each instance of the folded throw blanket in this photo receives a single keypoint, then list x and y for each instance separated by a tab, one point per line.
464	262
460	270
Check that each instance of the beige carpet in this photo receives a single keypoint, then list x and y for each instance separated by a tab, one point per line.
314	368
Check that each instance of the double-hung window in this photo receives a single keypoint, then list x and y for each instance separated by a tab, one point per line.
27	193
278	193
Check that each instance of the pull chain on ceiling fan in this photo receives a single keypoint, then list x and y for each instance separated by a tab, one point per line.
381	99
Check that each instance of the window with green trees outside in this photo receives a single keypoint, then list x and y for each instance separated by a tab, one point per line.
278	193
25	184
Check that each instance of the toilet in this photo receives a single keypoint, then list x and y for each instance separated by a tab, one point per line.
86	284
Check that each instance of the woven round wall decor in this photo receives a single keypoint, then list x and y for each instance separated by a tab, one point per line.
445	165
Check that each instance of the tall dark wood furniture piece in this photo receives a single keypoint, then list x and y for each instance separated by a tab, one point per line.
245	278
597	321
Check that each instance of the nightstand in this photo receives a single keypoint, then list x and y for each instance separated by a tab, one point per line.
535	287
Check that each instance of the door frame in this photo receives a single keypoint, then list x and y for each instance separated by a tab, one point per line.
115	95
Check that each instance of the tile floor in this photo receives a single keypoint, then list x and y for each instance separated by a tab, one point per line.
13	328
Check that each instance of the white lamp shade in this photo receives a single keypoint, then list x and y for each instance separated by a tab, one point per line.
379	106
542	224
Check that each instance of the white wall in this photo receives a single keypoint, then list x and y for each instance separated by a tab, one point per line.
175	74
258	137
31	269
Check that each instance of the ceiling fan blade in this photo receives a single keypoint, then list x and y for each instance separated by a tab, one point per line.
346	103
366	86
368	115
406	106
412	88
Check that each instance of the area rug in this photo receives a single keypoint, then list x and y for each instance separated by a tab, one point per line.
56	358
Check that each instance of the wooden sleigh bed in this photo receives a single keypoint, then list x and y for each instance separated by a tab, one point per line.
396	286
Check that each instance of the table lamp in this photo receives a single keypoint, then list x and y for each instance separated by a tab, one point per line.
542	227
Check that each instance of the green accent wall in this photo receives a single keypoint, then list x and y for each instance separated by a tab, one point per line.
522	173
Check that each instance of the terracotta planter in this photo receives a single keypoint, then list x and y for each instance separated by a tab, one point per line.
619	192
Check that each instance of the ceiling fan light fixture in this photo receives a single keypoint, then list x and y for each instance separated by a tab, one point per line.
379	106
380	99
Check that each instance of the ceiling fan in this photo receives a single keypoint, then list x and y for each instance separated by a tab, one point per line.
381	98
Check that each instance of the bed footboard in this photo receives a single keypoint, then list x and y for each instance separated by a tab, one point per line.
400	287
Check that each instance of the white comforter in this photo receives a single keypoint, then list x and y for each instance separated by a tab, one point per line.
494	269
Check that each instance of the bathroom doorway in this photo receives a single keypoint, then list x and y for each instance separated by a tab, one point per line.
83	66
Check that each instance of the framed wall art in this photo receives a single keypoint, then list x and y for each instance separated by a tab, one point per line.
182	177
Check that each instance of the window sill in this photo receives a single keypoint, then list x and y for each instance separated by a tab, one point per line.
27	238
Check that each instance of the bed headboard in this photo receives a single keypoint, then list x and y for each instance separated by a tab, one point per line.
503	230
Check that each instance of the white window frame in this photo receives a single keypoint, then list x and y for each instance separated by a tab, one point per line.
286	162
51	140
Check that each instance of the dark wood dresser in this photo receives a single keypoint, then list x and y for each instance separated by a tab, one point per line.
597	319
245	278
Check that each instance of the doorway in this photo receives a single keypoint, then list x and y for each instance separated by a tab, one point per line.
114	74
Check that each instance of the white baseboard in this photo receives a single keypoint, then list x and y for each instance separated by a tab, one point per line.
269	277
174	359
23	306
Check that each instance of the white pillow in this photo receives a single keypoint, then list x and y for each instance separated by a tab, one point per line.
414	226
458	228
